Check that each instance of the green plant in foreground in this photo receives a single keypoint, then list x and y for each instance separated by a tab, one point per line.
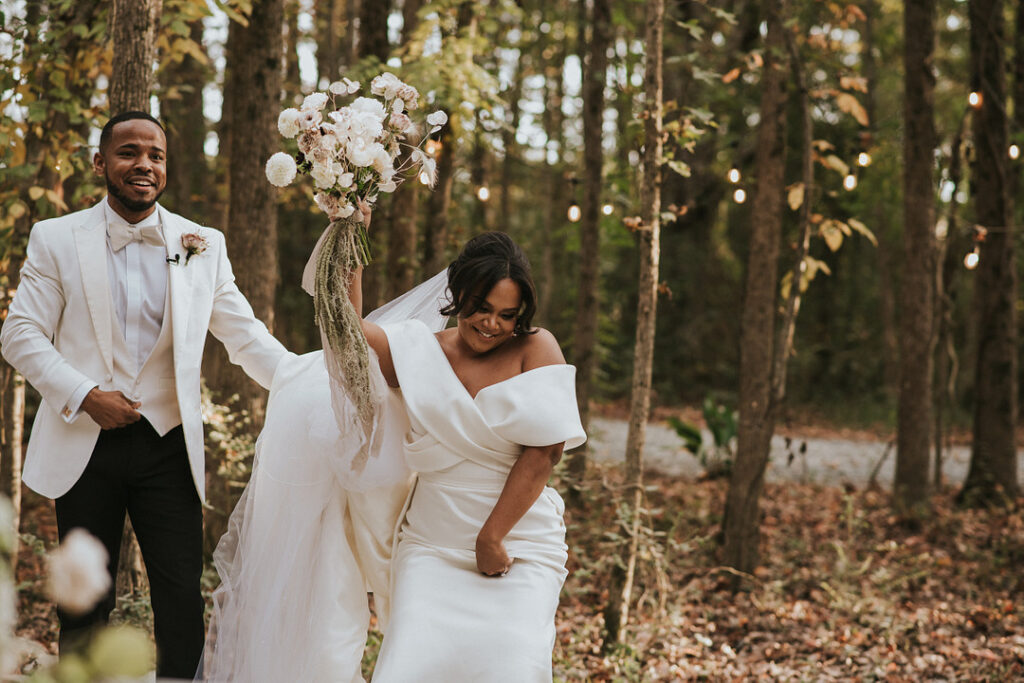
723	423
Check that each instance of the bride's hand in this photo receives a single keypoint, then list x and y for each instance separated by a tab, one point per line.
491	558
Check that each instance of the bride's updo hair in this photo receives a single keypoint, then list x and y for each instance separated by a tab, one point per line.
484	261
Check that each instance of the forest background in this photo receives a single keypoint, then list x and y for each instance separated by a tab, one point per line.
869	151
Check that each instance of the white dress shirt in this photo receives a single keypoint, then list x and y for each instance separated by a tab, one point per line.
137	274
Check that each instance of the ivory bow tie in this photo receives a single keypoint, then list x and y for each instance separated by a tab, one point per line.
122	233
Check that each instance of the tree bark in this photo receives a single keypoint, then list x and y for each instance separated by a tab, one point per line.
911	486
992	476
435	227
252	89
647	305
188	175
584	349
756	407
133	31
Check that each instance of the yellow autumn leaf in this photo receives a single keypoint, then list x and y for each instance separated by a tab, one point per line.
852	106
17	210
832	235
35	192
863	229
731	75
795	196
837	164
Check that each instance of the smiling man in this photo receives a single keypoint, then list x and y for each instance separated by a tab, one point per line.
109	324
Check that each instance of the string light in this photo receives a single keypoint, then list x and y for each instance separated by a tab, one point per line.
850	182
483	193
971	260
574	213
739	196
734	175
1014	152
975	99
432	147
863	159
607	209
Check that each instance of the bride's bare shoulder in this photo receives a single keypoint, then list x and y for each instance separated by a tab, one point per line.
541	348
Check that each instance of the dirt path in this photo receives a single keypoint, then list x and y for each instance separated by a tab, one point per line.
826	461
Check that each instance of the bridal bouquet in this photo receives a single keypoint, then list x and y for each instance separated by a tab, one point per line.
350	151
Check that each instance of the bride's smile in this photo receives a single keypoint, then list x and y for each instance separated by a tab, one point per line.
494	322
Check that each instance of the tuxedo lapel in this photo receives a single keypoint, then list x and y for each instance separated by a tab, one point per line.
91	247
179	278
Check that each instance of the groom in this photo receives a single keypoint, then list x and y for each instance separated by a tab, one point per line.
109	324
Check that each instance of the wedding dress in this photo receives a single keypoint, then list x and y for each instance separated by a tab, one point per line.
448	622
315	528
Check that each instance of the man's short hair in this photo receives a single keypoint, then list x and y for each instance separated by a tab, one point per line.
108	129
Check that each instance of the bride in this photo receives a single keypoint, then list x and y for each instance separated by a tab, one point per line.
466	561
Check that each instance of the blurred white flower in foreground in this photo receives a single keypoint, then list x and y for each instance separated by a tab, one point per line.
78	572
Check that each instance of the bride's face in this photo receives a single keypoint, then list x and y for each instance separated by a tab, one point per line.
494	322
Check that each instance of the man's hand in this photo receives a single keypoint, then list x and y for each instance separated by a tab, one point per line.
110	409
491	558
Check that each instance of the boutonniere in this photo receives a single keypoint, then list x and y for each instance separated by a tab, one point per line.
194	244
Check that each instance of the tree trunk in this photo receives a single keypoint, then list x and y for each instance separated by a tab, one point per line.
329	25
188	175
373	42
134	24
756	407
252	88
617	616
911	486
508	143
584	349
992	477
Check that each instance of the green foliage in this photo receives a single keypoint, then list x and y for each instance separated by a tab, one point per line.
723	422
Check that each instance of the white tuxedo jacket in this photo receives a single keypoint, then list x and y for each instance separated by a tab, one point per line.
60	326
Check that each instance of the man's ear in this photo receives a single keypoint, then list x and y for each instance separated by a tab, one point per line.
98	163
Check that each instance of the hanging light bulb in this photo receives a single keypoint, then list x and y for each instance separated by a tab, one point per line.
850	182
971	260
483	193
739	196
607	209
574	213
863	159
1014	152
975	99
432	147
733	175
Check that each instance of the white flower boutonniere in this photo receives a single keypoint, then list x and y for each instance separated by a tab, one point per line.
194	244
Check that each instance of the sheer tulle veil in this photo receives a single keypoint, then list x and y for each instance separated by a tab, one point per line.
312	531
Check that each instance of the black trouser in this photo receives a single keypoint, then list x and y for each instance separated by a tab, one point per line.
134	470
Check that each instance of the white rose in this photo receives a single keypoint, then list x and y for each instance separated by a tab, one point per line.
382	160
387	84
365	125
78	572
280	169
323	175
314	101
288	122
309	119
362	154
369	106
438	118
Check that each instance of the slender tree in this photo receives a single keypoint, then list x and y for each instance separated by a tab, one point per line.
913	438
756	407
133	32
649	243
992	477
584	349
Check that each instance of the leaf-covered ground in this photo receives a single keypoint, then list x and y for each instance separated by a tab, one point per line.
844	592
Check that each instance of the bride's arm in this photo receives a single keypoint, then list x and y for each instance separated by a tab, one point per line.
375	336
524	485
528	476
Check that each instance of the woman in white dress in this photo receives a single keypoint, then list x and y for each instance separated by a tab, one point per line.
481	549
467	588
